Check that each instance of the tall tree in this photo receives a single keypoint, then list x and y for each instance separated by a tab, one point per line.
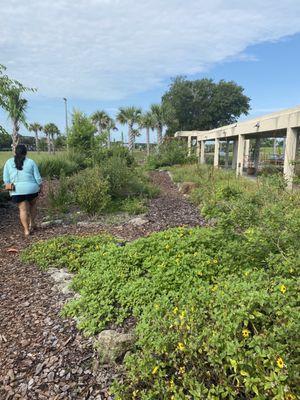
36	128
147	122
110	127
13	103
82	131
203	104
50	131
130	116
158	113
101	120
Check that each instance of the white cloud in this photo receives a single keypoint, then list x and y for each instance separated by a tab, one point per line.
110	49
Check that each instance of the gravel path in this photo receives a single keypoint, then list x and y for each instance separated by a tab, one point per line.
42	355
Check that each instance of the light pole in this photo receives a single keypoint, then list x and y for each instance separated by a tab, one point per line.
67	129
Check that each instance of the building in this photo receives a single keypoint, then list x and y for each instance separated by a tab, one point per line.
283	124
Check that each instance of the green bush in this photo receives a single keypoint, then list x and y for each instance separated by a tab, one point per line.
53	166
170	153
216	313
115	151
90	190
65	251
134	206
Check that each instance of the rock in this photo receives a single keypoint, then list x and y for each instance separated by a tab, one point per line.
62	279
187	187
138	221
46	224
88	224
112	345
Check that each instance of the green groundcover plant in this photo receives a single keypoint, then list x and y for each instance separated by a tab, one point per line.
217	313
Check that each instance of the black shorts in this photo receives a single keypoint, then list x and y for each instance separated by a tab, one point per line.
18	198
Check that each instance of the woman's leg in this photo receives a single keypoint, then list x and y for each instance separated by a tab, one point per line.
24	217
32	213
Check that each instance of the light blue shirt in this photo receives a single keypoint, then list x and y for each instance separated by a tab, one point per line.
26	181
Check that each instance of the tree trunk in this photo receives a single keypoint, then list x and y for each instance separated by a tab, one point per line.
15	134
159	135
130	138
36	141
148	140
49	143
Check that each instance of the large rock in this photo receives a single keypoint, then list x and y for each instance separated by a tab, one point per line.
112	345
187	187
138	221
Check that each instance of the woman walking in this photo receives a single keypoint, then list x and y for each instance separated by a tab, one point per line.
23	173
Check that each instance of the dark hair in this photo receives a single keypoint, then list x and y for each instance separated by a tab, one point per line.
21	152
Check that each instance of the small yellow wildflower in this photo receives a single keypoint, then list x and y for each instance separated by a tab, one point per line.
182	315
246	333
290	396
175	311
280	362
155	369
215	261
181	346
199	273
182	370
171	384
167	247
214	288
282	289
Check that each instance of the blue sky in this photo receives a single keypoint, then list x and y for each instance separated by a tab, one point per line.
103	54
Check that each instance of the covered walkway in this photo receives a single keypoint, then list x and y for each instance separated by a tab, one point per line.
284	124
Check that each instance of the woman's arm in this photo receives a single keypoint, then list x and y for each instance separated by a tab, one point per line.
36	173
6	175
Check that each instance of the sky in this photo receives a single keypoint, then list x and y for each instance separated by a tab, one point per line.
103	54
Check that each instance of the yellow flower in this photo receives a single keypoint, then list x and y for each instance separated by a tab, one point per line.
167	247
156	306
199	273
155	369
182	315
181	370
215	261
171	384
181	346
282	289
280	362
214	288
246	333
175	311
290	396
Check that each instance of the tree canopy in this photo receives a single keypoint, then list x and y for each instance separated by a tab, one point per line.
203	104
81	135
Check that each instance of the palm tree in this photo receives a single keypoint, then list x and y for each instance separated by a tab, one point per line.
50	131
16	107
130	116
147	122
110	127
101	120
36	128
159	118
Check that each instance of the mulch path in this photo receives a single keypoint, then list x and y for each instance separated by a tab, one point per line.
43	355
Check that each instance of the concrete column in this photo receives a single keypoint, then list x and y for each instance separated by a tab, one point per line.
240	155
256	154
235	153
198	150
290	155
202	152
217	151
189	145
247	152
227	154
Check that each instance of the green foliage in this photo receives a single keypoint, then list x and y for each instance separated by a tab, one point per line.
90	190
81	133
134	206
169	153
203	104
51	167
64	251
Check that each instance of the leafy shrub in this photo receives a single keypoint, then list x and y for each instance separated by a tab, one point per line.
59	195
170	153
90	190
53	166
115	151
216	313
134	206
65	251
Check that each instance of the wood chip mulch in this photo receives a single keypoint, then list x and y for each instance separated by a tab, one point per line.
43	355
